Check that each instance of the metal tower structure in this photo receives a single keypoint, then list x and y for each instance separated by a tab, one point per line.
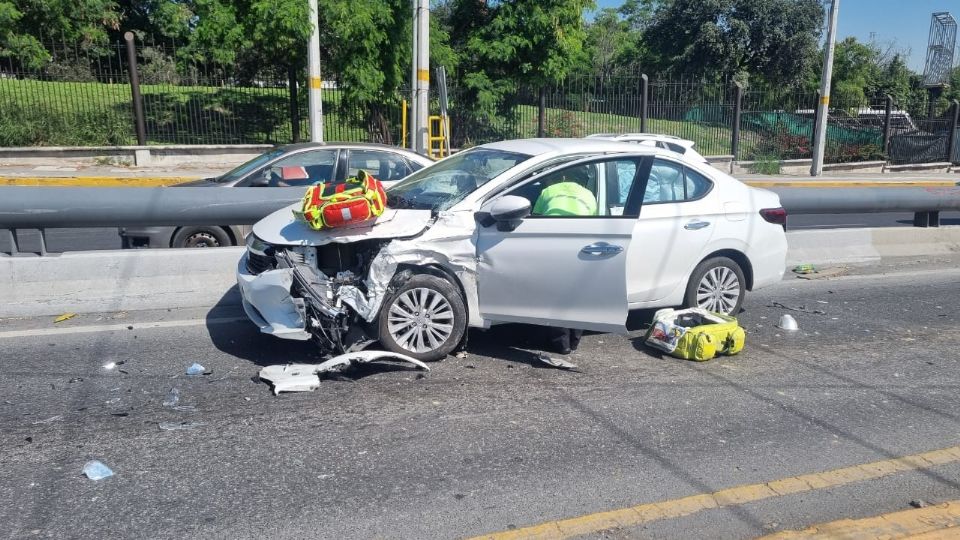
943	41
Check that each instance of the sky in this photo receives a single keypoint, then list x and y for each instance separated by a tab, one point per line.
904	24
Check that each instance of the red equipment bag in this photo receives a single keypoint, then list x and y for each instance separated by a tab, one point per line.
331	205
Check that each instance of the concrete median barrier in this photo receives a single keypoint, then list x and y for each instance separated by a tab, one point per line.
107	281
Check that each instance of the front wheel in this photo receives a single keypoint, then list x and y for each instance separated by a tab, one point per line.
425	318
717	284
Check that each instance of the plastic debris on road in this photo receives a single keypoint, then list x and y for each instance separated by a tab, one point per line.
805	269
553	361
65	317
788	323
179	426
110	365
306	377
196	369
802	309
173	397
96	470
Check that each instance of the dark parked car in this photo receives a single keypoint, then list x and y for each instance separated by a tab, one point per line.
301	164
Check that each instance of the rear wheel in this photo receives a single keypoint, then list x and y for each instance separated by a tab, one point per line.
425	318
717	284
200	237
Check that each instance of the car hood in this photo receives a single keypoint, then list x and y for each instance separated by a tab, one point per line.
203	182
282	228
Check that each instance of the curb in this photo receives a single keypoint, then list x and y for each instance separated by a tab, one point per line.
95	181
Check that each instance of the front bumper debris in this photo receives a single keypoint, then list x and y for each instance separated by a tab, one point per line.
306	377
269	304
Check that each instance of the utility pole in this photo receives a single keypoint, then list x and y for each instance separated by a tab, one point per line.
823	107
420	75
314	82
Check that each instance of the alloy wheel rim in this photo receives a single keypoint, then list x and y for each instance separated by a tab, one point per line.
420	320
719	290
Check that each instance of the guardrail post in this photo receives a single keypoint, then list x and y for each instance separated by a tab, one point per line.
886	124
294	104
14	246
644	100
735	128
141	125
926	219
952	146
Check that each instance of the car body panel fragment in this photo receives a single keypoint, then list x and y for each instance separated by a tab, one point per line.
306	377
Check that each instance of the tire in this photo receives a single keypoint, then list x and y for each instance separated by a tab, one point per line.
406	328
200	237
702	290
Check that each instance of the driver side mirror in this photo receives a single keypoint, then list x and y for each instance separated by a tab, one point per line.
507	212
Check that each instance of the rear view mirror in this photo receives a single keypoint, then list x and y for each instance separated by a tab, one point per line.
507	212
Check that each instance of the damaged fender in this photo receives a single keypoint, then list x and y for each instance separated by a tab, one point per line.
306	377
450	246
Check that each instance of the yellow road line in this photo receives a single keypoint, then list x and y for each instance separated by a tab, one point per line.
850	183
95	181
940	521
645	513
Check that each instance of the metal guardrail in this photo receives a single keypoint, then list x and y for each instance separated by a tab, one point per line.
49	208
46	208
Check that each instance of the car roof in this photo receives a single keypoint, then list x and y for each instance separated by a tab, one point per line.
644	136
536	147
357	145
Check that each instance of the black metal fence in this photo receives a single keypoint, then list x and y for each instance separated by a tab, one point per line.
84	97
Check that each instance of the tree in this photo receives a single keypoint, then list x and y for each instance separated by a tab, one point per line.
607	42
856	72
13	42
773	39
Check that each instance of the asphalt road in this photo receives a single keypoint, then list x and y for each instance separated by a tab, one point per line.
484	443
60	240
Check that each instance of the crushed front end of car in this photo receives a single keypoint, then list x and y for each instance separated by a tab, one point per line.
304	292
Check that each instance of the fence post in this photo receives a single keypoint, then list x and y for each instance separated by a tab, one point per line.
737	104
294	104
542	112
644	100
886	124
141	124
952	146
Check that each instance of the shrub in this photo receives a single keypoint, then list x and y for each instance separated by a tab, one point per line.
768	164
30	125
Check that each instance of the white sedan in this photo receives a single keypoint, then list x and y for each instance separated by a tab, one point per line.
467	242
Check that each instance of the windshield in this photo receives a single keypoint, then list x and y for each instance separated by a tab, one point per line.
249	166
440	186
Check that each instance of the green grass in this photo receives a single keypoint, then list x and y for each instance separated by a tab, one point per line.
37	113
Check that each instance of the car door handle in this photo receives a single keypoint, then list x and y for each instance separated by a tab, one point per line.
696	225
601	248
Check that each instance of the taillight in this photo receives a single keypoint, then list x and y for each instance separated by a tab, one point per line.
777	216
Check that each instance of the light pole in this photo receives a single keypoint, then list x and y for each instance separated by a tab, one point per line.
314	81
420	75
823	107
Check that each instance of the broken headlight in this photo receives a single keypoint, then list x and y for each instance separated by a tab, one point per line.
260	257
